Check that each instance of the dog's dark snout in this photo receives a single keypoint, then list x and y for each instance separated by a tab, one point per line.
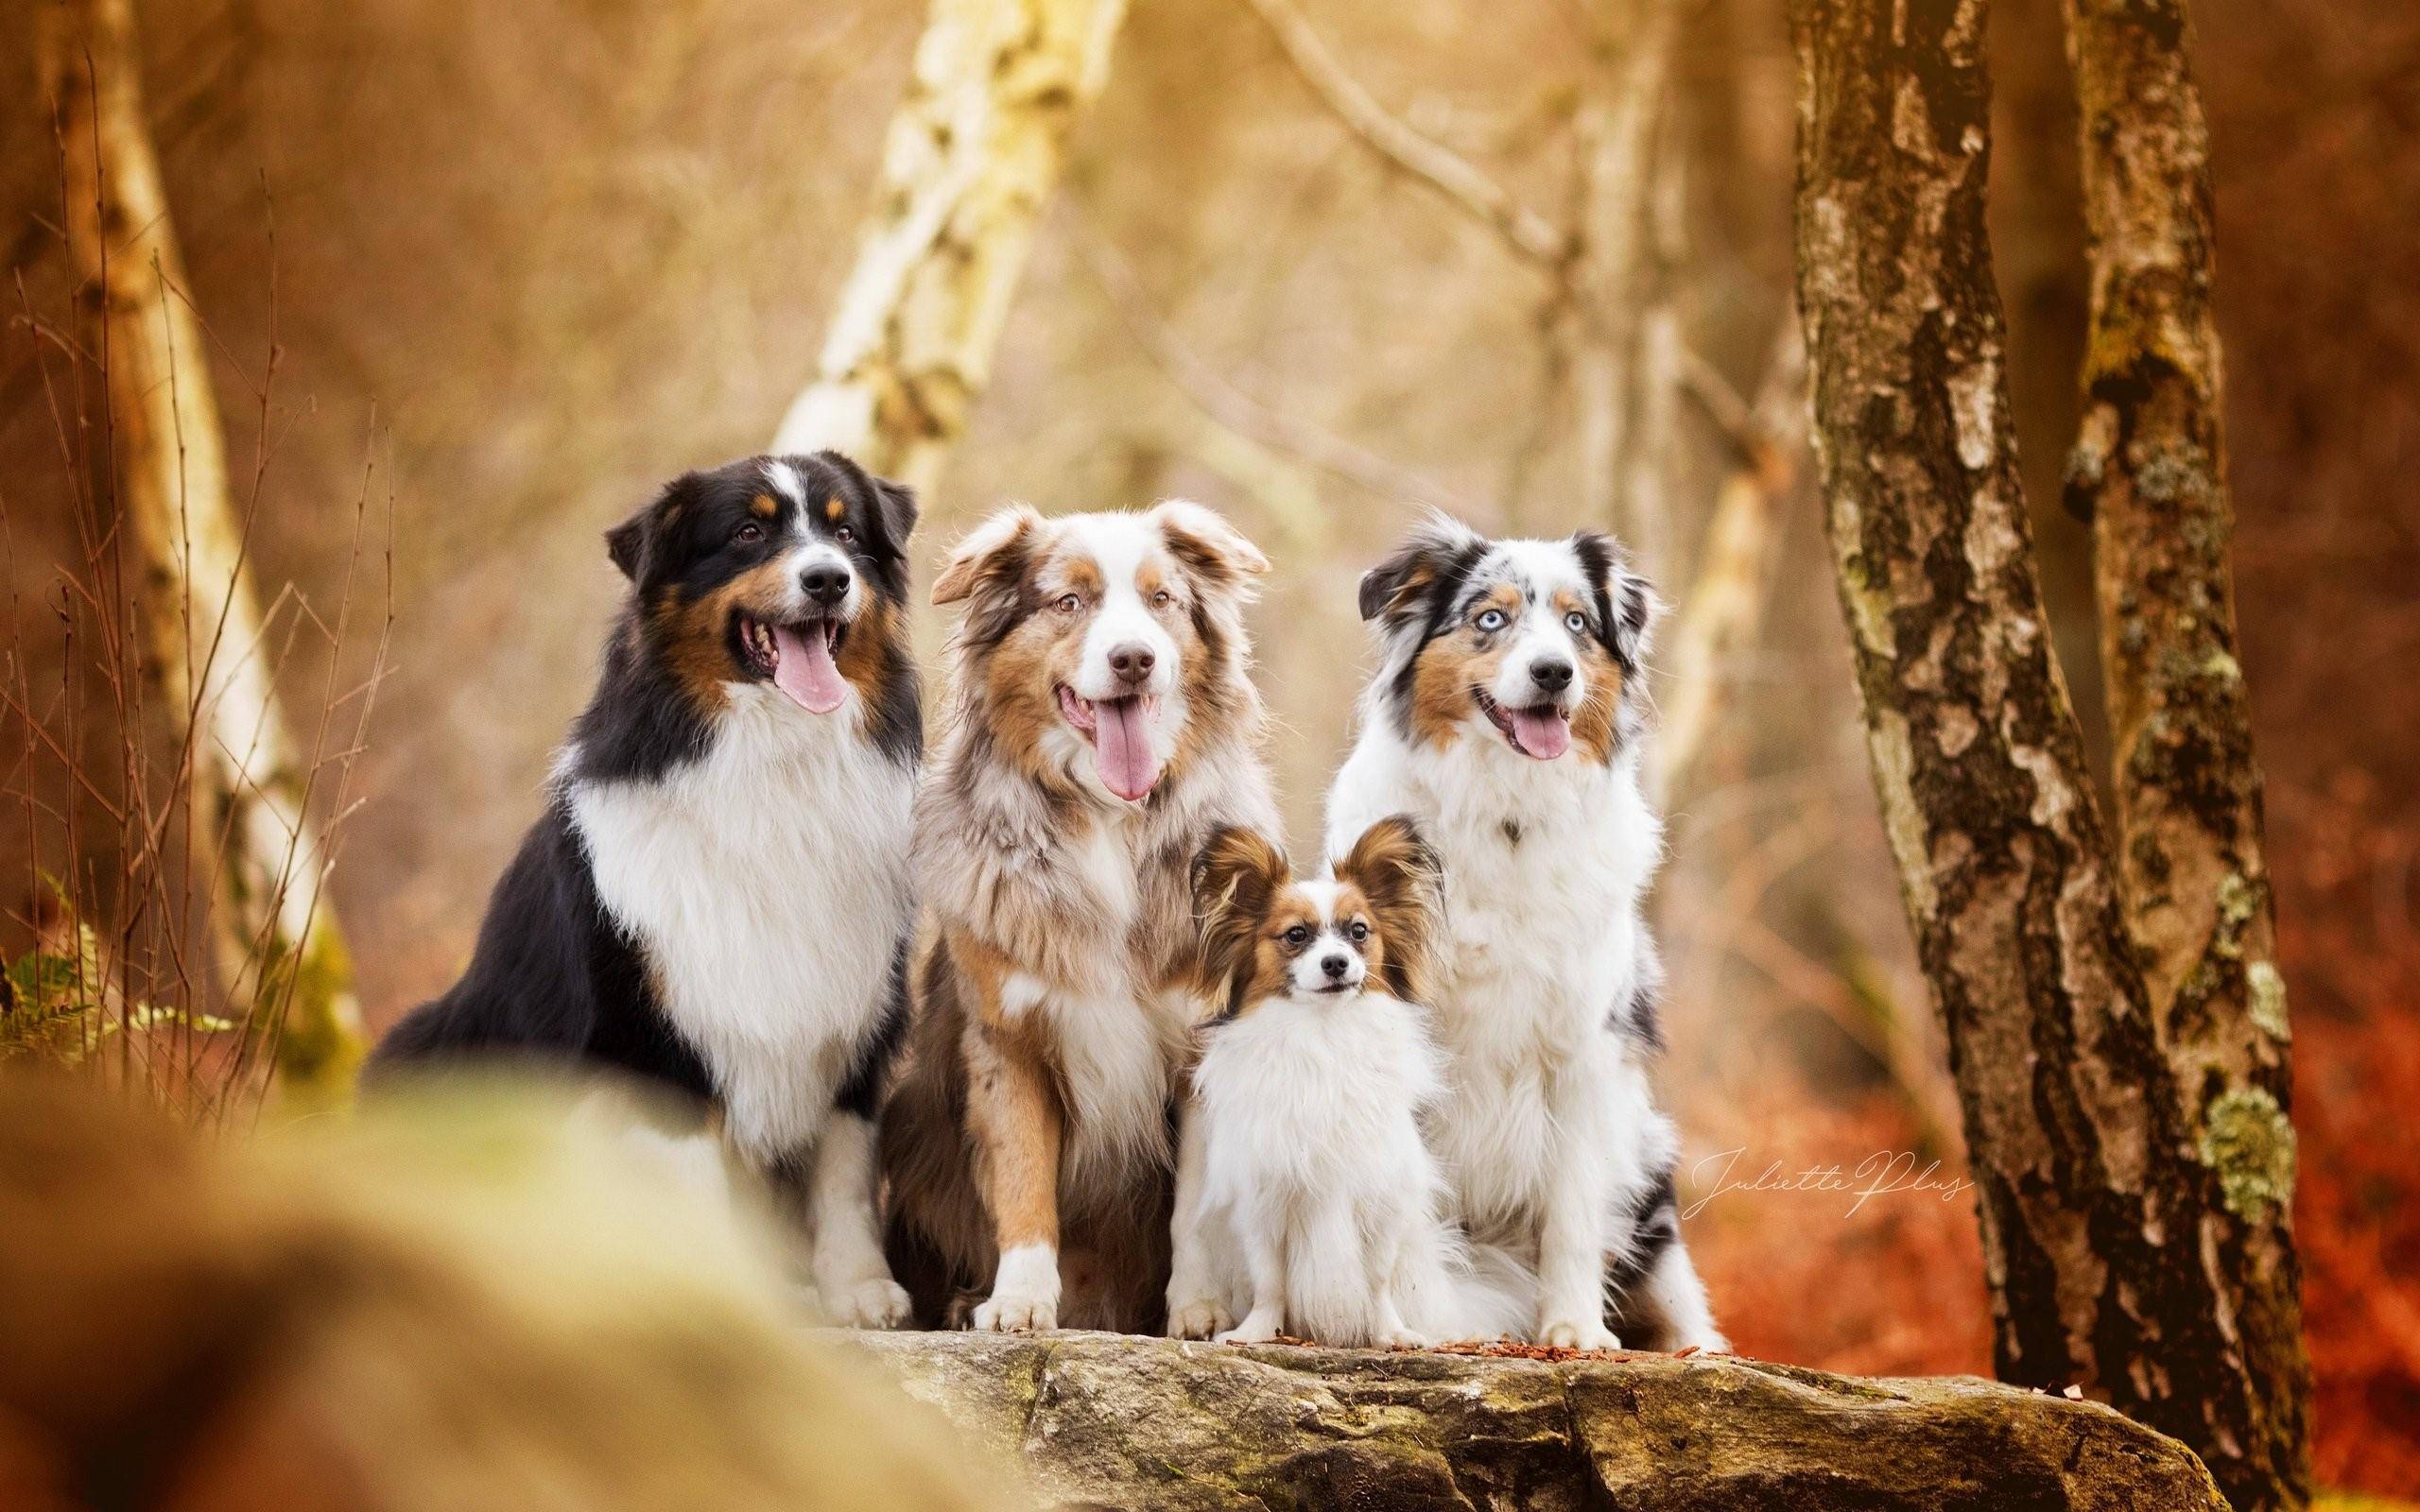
1336	964
827	583
1131	661
1553	674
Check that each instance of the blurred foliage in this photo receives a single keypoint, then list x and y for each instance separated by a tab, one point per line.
56	1005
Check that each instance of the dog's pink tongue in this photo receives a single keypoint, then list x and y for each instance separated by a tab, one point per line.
805	670
1542	736
1122	748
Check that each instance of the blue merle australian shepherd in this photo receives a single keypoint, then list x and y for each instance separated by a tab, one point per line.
717	895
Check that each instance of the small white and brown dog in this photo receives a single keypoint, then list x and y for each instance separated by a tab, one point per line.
1307	1199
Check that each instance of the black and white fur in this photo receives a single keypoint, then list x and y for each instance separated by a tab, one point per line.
1547	976
717	898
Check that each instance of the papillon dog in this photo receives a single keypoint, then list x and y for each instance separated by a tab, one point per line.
1306	1198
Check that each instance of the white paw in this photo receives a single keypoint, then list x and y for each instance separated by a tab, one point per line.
868	1302
1199	1319
1581	1335
1402	1338
1259	1327
1006	1313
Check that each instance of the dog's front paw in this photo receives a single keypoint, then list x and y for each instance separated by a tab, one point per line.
1401	1338
1199	1319
868	1302
1583	1333
1008	1314
1257	1328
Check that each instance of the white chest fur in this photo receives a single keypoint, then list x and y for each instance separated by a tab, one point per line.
1544	866
766	886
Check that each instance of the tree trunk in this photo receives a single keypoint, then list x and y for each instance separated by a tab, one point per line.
2148	470
1625	340
2092	1194
972	155
274	937
1723	610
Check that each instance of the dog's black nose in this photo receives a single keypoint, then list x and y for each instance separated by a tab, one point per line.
1550	673
827	583
1131	661
1335	965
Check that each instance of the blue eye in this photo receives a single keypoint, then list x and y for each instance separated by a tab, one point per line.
1575	623
1492	620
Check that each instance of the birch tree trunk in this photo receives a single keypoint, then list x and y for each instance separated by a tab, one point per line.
1626	344
2149	469
2093	1197
972	157
271	926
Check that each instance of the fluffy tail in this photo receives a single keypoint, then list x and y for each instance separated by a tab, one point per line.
1454	1290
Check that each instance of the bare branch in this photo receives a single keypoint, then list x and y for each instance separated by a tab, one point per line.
1530	236
1231	406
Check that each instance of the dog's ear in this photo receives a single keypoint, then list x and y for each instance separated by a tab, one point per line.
1396	870
636	544
1394	587
898	510
1627	605
987	570
1211	549
1236	876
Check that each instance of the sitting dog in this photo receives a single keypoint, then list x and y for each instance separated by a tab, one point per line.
717	898
1306	1197
1101	727
1506	718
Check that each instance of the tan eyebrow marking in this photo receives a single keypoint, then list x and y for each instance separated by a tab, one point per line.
834	507
763	506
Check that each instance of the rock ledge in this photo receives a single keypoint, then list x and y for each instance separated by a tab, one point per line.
1151	1424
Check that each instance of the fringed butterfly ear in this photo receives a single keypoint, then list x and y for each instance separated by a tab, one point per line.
1627	605
1397	873
636	544
1396	591
1236	878
987	571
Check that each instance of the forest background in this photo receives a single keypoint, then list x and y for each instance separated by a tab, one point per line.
525	262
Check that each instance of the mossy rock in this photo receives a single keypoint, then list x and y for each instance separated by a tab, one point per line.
1152	1425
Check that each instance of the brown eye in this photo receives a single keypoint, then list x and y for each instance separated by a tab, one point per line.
1163	599
844	535
1069	603
1361	932
1298	937
748	533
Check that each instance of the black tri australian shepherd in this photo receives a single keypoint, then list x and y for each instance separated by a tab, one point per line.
718	896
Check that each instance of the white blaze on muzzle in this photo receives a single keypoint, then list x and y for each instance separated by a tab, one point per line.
1124	715
1331	962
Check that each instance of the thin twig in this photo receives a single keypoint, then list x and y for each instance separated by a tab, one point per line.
1528	235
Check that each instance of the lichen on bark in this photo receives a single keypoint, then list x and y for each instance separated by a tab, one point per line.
2249	1143
2150	472
2086	1139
